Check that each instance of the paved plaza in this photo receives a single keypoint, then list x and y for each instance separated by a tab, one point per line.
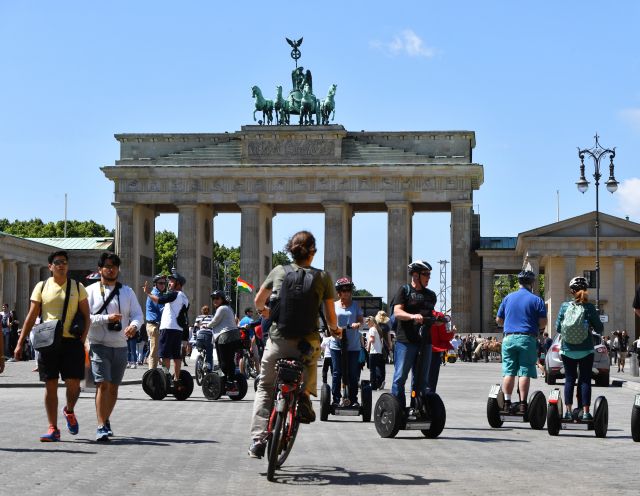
199	447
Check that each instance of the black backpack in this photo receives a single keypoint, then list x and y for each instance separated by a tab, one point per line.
295	310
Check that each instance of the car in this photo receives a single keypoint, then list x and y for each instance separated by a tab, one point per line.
554	368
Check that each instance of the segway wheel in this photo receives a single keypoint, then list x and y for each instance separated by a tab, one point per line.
155	384
186	381
601	416
367	400
325	402
635	420
199	370
212	386
493	413
387	415
437	413
241	381
553	419
537	410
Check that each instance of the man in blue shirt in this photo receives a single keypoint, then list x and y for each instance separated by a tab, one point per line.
153	314
523	315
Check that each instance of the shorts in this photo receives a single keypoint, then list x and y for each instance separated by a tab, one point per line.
519	355
107	363
170	343
67	361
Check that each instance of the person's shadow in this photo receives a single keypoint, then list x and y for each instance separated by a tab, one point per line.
340	476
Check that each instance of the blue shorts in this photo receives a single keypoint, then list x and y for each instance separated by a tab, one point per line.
107	363
170	343
519	355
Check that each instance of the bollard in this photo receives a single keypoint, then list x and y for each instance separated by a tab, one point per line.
633	362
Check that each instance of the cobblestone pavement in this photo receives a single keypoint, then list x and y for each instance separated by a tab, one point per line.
199	447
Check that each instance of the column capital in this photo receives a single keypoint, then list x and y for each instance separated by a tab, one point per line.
461	204
392	204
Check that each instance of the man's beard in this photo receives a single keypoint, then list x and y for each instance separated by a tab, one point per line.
109	281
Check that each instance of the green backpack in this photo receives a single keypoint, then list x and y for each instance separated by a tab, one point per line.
574	328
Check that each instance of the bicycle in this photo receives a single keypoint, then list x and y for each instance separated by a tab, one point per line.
245	358
283	421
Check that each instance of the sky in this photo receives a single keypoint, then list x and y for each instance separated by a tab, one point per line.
535	81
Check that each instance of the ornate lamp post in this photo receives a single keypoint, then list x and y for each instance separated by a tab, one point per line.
596	153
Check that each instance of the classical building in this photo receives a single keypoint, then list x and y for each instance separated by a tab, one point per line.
23	262
260	171
561	251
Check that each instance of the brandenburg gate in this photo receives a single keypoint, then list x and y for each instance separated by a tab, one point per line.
263	170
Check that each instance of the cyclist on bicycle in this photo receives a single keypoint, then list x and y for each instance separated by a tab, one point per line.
412	303
302	247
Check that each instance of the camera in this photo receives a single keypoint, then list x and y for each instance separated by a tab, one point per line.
114	326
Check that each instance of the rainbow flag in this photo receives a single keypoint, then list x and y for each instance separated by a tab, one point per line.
244	286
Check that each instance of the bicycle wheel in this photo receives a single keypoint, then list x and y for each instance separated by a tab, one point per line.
288	437
273	445
199	370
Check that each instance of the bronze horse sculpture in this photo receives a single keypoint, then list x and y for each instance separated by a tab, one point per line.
266	106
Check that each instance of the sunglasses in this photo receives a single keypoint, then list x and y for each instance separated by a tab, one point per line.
428	274
60	262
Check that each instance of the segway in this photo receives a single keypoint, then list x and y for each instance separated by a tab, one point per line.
215	384
556	421
428	413
498	413
346	409
635	419
158	383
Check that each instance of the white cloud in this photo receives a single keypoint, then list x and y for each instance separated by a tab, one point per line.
632	117
628	196
407	43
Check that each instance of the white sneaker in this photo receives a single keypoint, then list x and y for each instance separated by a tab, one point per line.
128	365
134	366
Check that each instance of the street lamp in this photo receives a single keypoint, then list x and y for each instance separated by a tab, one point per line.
596	153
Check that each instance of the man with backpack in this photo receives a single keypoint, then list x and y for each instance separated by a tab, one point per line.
412	304
295	293
523	315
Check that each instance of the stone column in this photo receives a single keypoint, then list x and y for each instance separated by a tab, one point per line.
488	319
569	273
201	286
9	283
34	276
534	262
186	264
143	251
124	243
337	239
256	248
22	290
399	241
619	303
461	265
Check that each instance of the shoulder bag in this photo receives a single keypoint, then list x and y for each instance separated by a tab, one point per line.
47	335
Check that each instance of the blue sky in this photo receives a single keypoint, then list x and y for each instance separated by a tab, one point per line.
534	80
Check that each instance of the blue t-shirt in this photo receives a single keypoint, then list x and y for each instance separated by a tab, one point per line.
153	309
521	311
346	317
245	321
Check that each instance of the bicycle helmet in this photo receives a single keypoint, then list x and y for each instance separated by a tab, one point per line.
418	266
526	277
345	283
218	293
178	278
159	277
578	283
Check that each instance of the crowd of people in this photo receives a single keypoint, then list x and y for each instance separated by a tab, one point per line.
105	323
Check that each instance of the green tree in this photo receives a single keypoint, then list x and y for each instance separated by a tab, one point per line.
280	258
361	292
166	246
507	283
35	228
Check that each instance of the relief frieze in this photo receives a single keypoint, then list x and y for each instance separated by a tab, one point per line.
290	148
